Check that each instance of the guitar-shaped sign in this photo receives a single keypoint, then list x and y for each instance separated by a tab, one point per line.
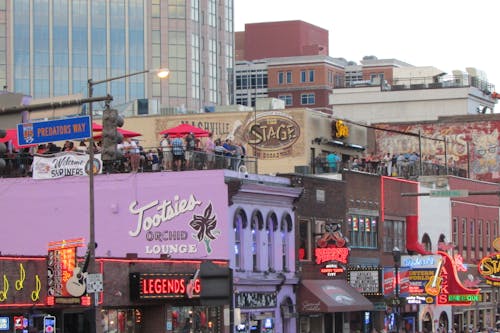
77	285
434	285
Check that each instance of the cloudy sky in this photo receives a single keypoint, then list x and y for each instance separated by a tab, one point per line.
449	35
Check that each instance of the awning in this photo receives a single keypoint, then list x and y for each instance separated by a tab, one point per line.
330	296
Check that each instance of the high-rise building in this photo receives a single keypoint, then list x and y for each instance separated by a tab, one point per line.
52	47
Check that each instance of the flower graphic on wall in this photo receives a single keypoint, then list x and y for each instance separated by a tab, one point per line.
204	225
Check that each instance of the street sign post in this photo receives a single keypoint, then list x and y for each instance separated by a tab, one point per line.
74	128
448	193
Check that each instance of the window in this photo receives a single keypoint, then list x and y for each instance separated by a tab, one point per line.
256	229
286	228
303	76
472	232
305	238
287	99
288	77
307	76
307	99
364	231
480	237
464	238
239	223
281	77
320	195
426	241
271	227
488	236
454	237
394	232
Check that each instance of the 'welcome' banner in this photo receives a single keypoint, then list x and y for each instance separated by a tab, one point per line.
64	164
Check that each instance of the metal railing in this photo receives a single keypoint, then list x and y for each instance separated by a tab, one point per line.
405	169
19	164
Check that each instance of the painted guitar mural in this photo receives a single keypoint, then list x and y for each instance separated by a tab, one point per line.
433	286
332	237
77	284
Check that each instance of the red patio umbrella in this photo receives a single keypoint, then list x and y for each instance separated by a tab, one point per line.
96	127
11	135
124	132
184	129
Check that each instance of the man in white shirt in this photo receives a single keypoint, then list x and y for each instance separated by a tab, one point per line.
166	148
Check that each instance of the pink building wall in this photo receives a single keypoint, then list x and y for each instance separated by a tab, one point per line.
183	214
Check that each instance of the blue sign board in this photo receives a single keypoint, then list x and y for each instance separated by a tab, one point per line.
74	128
4	324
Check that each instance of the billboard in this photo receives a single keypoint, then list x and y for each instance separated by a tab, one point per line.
180	215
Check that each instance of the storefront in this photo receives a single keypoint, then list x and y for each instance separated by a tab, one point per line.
331	306
138	296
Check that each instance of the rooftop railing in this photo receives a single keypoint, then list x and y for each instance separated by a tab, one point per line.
19	164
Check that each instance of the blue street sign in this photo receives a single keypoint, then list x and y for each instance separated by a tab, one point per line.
74	128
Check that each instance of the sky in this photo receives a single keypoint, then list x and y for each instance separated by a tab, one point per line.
447	34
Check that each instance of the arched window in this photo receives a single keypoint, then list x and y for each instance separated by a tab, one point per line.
271	227
239	223
256	227
286	228
426	242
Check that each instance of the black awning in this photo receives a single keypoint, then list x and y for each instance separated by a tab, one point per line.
330	296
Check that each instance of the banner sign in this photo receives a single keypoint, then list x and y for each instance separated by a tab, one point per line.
74	128
64	164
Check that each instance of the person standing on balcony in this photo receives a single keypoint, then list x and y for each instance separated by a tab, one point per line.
178	153
209	149
189	151
166	149
332	159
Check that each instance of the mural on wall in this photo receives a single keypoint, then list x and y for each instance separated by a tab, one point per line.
471	146
267	135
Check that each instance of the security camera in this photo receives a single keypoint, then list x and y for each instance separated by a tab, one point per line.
246	174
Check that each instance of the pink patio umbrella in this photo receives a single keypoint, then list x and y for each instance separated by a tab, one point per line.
184	129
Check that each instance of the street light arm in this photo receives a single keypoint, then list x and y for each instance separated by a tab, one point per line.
93	83
162	73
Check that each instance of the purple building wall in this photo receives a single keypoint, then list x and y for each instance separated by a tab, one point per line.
182	214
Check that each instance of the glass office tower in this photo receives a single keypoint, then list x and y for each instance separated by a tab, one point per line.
52	47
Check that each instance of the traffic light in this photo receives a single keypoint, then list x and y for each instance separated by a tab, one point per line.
3	149
110	135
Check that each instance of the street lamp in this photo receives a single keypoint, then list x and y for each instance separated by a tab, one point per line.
396	255
161	73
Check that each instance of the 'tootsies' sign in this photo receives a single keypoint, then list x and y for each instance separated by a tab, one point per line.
273	134
489	268
156	222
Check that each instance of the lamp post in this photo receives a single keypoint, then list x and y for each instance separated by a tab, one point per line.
396	254
161	73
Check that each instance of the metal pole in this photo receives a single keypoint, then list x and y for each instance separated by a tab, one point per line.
93	325
396	266
445	156
468	160
420	152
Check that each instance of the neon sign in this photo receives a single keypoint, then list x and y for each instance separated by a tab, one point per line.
489	268
162	285
331	254
452	291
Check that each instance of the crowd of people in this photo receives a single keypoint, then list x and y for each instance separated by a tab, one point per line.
403	165
190	152
172	154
